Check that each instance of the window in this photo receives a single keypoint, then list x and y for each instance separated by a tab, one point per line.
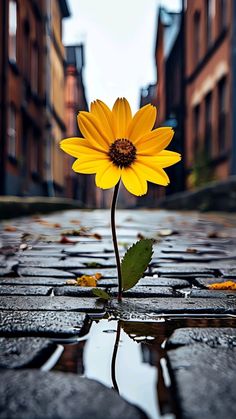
222	113
12	30
208	124
35	154
196	123
196	37
34	69
222	14
11	132
26	49
210	11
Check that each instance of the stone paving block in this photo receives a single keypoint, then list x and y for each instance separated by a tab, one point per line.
43	323
106	272
174	305
179	272
43	281
145	292
8	267
149	281
75	291
56	395
40	303
24	290
213	337
204	293
44	272
25	352
229	272
203	379
92	248
70	263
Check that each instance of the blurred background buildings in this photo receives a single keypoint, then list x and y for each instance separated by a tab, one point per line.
42	90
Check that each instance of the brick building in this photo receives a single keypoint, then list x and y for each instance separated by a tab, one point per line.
169	54
31	95
168	95
210	80
78	186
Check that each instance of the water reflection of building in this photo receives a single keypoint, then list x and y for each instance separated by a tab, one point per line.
32	64
210	44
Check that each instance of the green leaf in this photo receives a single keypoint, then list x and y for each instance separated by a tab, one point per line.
135	262
101	293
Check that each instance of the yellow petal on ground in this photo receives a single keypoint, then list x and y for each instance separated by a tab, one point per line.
101	111
107	176
166	158
134	181
87	281
92	130
142	123
154	175
122	117
88	166
227	285
155	141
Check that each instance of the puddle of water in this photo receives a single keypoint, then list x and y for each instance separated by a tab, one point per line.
134	378
129	356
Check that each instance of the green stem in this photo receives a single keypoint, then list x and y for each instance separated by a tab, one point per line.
114	238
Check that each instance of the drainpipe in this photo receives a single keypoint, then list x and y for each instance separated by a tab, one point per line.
233	153
3	99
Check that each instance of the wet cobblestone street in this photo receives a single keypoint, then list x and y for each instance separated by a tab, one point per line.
192	325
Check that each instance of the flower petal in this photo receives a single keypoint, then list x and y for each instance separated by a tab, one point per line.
92	130
166	158
101	111
107	176
142	122
134	181
122	116
155	141
77	147
87	166
154	175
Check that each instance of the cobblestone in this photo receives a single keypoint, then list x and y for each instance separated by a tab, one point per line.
37	306
24	352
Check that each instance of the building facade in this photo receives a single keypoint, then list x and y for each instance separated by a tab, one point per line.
168	96
22	97
31	70
78	186
209	46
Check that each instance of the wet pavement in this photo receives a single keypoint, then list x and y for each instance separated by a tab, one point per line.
184	328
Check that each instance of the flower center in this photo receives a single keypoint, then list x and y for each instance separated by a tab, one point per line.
122	152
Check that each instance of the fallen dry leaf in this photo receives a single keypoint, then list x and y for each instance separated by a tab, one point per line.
71	282
191	250
97	236
75	222
165	232
10	228
87	281
98	275
65	240
140	236
228	285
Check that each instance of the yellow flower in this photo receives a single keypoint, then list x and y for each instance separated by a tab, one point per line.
118	146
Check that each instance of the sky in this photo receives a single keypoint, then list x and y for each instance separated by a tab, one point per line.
119	39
